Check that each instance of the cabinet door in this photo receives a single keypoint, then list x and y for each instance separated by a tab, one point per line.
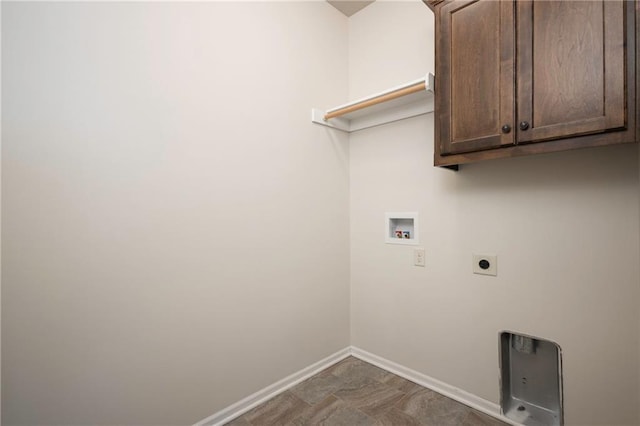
475	76
571	73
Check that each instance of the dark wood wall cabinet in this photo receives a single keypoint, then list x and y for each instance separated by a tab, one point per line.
525	77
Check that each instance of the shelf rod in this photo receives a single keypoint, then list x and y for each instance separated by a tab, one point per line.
414	88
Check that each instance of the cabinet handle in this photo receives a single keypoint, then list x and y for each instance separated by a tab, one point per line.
506	128
524	125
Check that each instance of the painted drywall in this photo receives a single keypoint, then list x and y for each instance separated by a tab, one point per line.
564	227
175	230
0	216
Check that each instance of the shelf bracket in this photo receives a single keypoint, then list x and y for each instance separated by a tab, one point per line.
317	116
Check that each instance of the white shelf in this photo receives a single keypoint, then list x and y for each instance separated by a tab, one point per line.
408	100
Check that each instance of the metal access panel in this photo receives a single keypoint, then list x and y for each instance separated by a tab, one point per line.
530	380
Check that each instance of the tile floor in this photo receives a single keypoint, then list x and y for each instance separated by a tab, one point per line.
353	392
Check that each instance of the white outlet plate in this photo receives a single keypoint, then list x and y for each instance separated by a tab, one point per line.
418	257
492	269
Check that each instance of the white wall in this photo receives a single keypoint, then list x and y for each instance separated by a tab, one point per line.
175	231
564	226
0	216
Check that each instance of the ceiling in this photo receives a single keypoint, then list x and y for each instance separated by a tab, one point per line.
349	7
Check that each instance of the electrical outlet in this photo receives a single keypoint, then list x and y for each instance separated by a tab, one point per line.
485	264
418	257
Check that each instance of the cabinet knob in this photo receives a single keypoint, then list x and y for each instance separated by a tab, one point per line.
524	125
506	128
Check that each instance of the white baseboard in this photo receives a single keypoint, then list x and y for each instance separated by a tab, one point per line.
239	408
435	385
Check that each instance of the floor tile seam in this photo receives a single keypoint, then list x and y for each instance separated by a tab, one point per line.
302	412
375	417
388	386
348	404
286	393
399	404
345	404
306	409
381	415
338	398
394	405
363	413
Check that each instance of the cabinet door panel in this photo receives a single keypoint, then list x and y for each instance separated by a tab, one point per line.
475	80
571	78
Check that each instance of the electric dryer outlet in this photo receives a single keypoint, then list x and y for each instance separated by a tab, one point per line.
485	264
